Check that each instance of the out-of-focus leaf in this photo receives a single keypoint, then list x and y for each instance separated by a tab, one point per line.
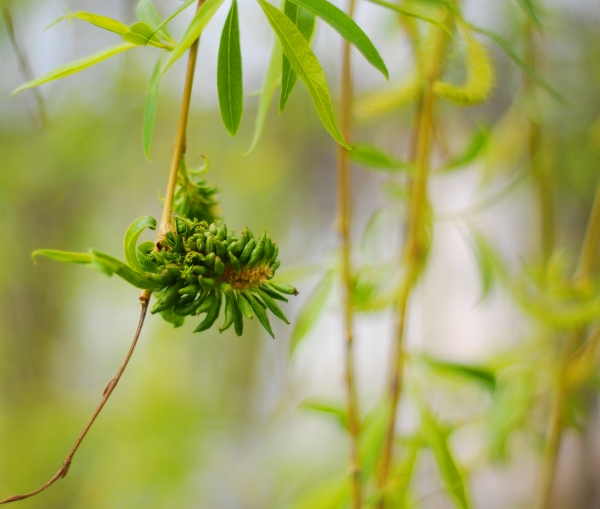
73	67
531	11
173	15
383	101
193	31
372	437
229	73
312	309
331	494
372	157
475	146
150	108
141	34
131	238
172	318
306	66
488	261
268	90
63	256
338	412
437	441
102	262
347	28
533	74
305	21
406	12
110	24
147	13
481	375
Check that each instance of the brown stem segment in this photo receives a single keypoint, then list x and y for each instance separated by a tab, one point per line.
64	469
343	225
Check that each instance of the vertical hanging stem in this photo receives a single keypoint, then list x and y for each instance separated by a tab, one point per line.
343	226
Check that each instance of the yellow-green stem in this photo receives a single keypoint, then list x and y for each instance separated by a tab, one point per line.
343	225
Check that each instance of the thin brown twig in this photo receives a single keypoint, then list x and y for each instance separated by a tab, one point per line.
343	225
64	469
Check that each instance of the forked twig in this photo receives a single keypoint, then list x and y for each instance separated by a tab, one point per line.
64	469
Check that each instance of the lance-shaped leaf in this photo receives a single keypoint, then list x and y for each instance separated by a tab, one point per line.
481	375
372	157
110	24
533	74
268	90
312	309
173	15
147	13
194	29
229	72
73	67
475	146
347	28
142	34
131	238
150	108
305	21
102	262
338	412
437	441
305	64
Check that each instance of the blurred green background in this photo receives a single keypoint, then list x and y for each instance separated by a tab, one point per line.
210	420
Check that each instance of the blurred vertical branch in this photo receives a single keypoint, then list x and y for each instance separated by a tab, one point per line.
343	225
21	57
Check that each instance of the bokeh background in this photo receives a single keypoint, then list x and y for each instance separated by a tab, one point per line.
213	420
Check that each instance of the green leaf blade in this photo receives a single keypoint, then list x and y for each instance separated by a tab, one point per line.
63	256
229	73
306	65
74	67
111	265
131	238
104	22
150	107
372	157
147	13
193	31
347	28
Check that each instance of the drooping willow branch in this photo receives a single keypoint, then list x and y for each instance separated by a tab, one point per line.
166	220
64	469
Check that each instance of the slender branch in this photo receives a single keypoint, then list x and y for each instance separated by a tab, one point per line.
178	152
589	248
64	469
23	63
343	224
414	254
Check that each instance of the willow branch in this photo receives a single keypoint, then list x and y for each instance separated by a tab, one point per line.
343	224
64	469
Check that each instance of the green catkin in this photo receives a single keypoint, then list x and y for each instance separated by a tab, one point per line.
197	264
480	77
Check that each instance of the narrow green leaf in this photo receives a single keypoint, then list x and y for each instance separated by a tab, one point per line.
142	34
150	108
437	440
488	261
372	157
416	15
332	409
533	74
173	15
268	90
193	31
475	146
372	437
110	265
481	375
131	238
147	13
531	10
229	72
305	21
306	65
63	256
110	24
74	67
347	28
312	309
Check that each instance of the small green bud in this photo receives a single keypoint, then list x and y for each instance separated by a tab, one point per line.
284	288
199	270
210	243
209	260
190	289
235	263
206	281
220	248
219	267
257	254
247	251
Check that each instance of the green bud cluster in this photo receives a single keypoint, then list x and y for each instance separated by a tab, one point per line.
199	265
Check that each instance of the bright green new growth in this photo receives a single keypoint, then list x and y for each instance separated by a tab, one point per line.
194	196
480	77
198	264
